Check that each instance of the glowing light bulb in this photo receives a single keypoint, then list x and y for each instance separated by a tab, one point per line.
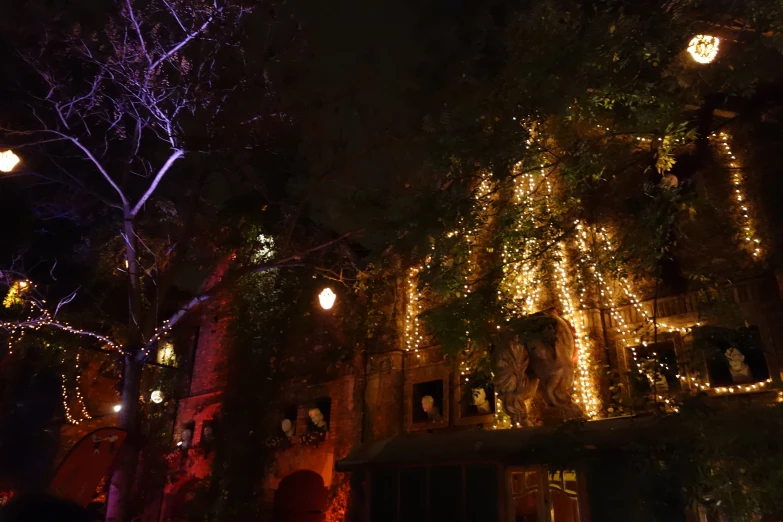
156	396
327	298
703	48
117	408
8	160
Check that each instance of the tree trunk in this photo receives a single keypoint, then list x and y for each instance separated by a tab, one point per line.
122	478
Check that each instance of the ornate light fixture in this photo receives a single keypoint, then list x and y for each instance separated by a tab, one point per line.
703	48
327	298
156	396
8	161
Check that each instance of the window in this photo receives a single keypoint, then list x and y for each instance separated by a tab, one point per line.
527	495
564	496
427	402
413	494
481	493
734	358
455	493
541	495
383	495
654	369
445	493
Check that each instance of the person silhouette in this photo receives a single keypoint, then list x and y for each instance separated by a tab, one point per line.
43	508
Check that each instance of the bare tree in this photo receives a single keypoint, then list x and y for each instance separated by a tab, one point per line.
116	121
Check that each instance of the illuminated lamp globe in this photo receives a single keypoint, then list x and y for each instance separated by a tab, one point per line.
8	161
156	396
703	48
117	408
327	298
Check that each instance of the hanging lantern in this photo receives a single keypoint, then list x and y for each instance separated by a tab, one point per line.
327	298
703	48
156	396
8	161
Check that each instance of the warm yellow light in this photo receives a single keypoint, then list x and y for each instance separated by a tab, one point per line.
8	161
117	408
156	396
327	298
703	48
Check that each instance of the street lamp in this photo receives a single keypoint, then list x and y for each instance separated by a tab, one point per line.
327	298
703	48
8	161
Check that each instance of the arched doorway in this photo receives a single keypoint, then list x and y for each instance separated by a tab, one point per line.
301	497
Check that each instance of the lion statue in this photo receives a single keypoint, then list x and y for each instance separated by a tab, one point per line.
543	355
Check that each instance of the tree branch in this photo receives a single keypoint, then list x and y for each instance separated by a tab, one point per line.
233	278
162	172
38	323
183	43
138	30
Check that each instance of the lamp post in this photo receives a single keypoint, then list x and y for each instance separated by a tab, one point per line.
8	160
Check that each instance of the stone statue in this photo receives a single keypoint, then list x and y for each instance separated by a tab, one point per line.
187	437
547	357
739	369
317	418
658	382
428	405
288	428
480	400
669	181
207	433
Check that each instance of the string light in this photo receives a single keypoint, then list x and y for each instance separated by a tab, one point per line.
751	240
45	319
79	398
585	387
413	335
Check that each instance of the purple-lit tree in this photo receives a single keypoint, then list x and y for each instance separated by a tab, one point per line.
120	109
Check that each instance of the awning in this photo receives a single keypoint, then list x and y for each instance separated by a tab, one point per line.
515	446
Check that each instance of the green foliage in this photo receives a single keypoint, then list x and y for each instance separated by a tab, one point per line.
261	309
726	459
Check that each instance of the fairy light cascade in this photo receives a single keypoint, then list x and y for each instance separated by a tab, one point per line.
79	398
585	386
413	335
751	239
633	342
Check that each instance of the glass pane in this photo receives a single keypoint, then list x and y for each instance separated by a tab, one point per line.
564	508
564	496
526	495
445	493
383	498
413	494
481	493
